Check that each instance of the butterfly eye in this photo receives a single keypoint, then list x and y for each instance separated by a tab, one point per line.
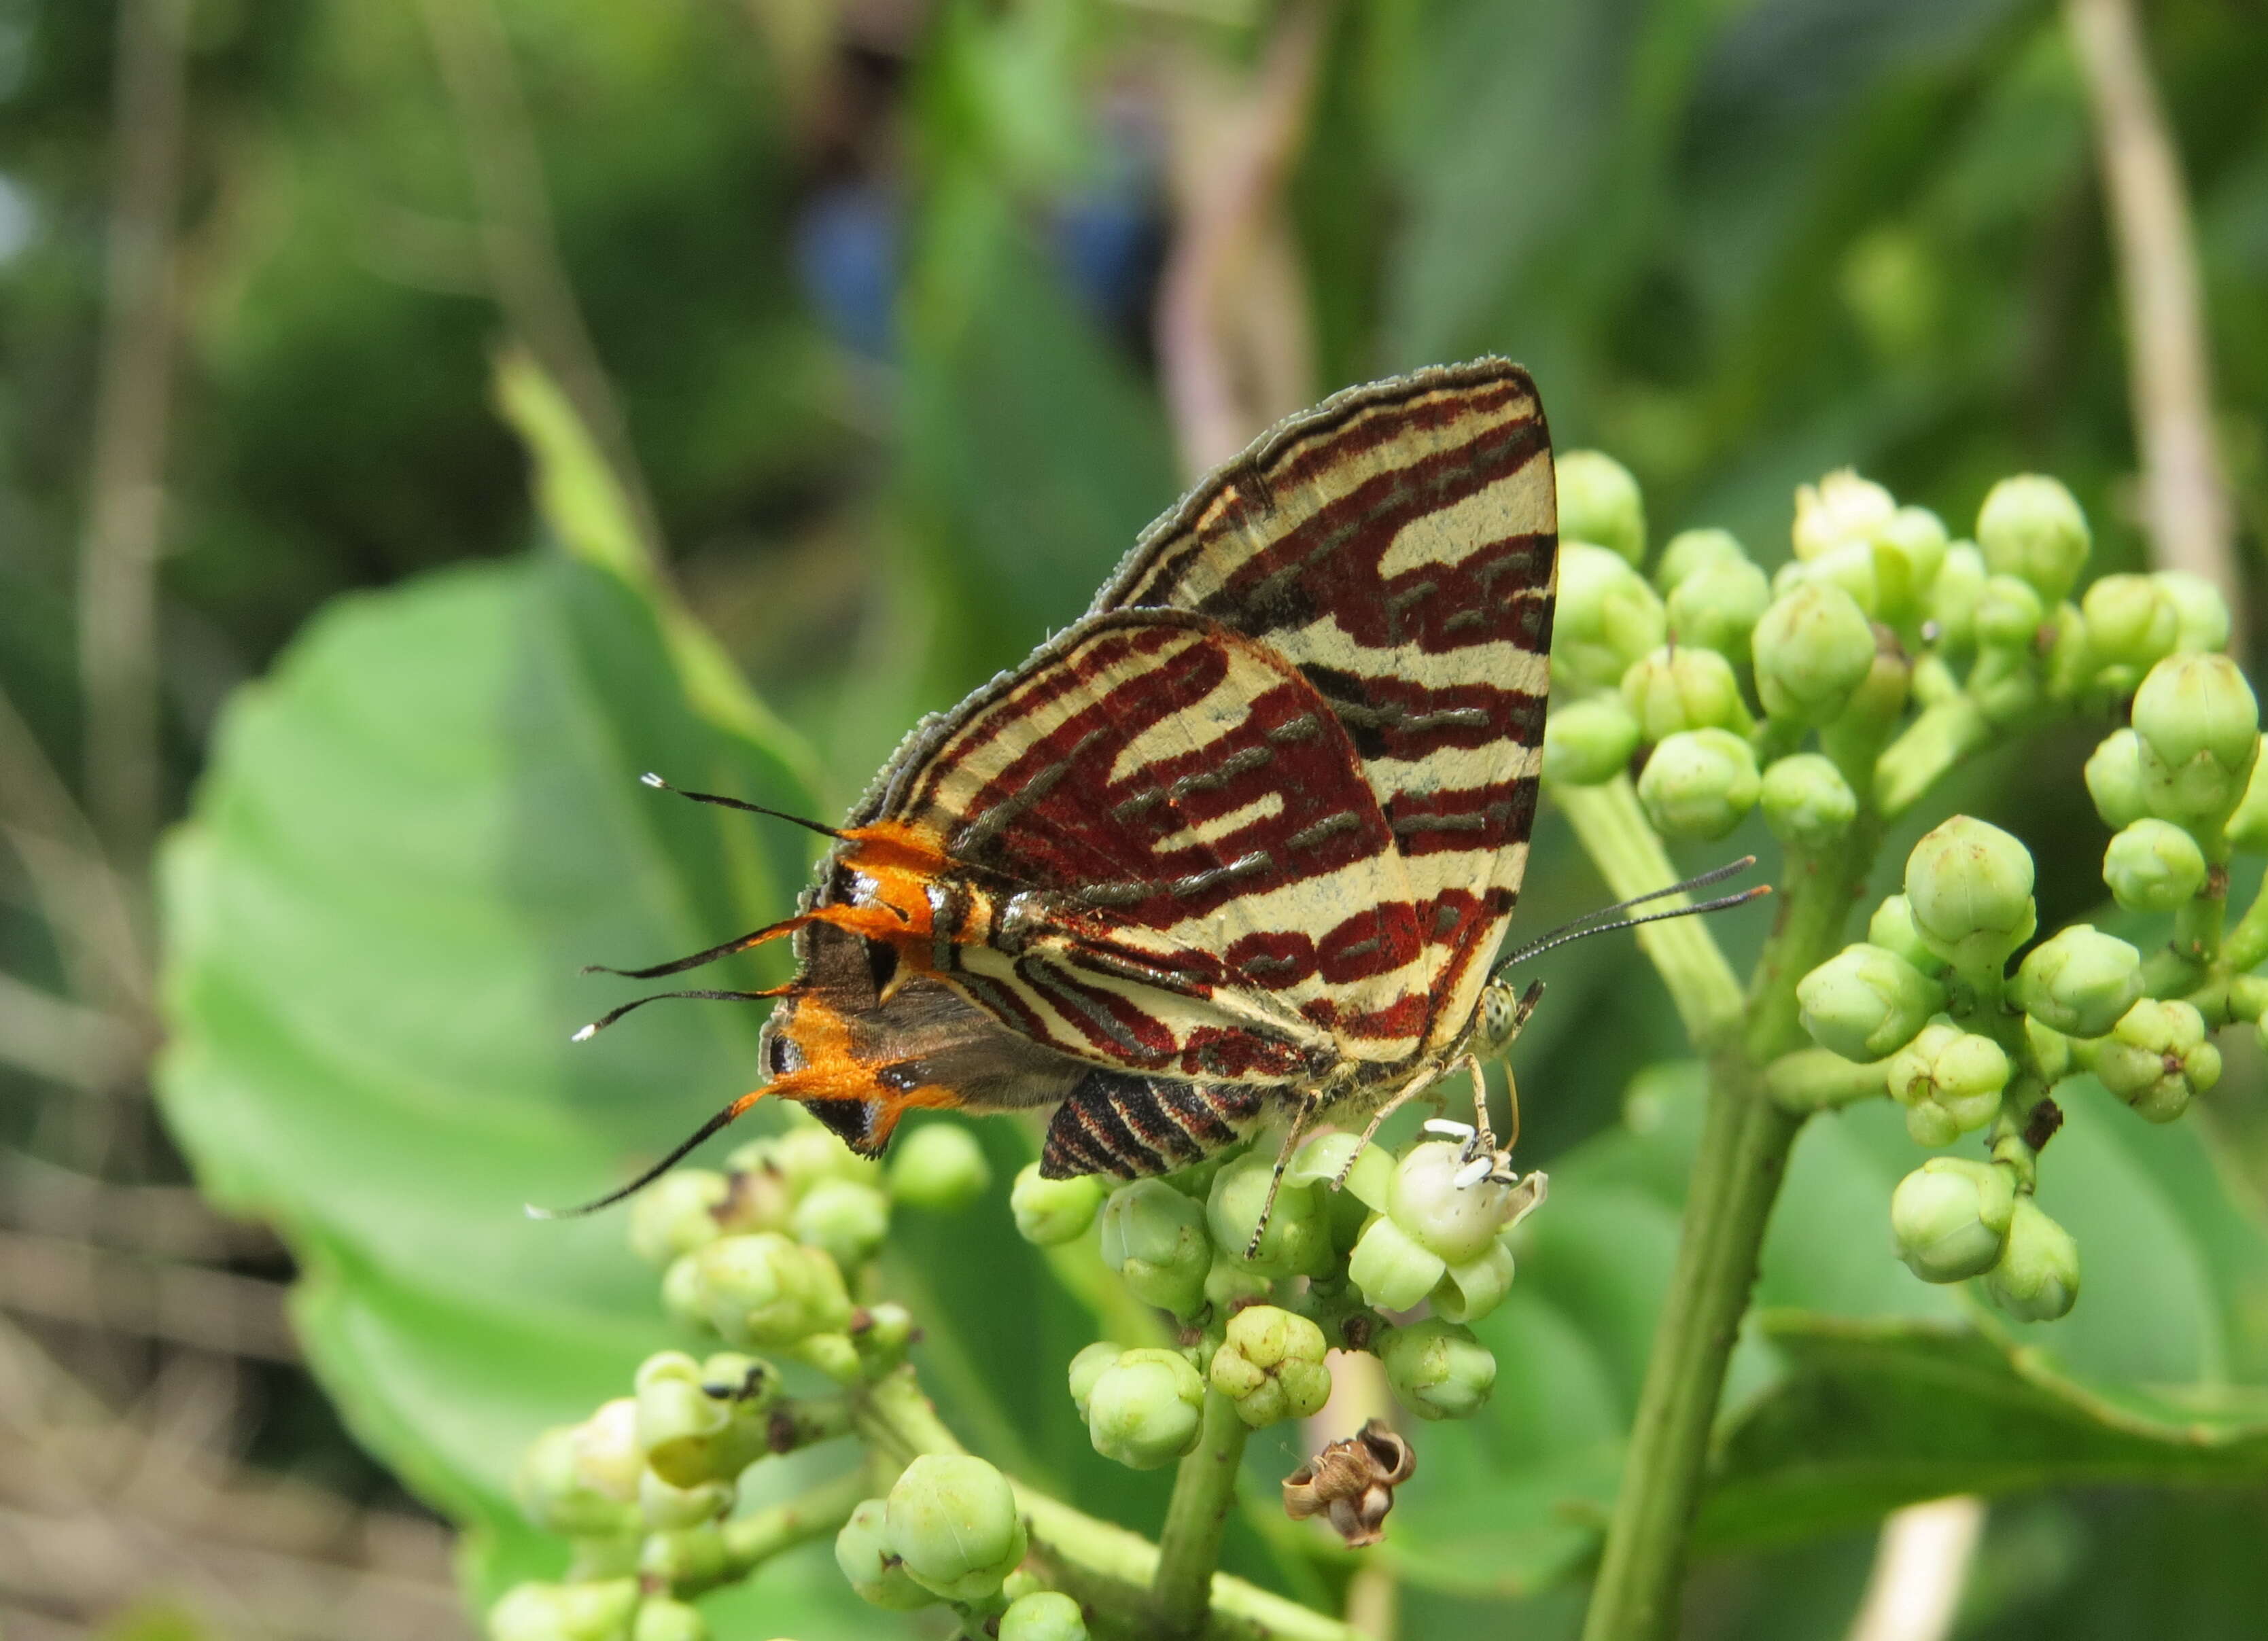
782	1057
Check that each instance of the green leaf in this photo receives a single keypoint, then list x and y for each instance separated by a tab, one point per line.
1855	1388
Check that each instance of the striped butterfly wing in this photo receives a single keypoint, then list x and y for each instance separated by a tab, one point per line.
1398	546
1173	863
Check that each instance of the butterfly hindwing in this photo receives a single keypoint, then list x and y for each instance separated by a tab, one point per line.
1398	546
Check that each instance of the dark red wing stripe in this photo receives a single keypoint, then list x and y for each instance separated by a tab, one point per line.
1392	718
1480	818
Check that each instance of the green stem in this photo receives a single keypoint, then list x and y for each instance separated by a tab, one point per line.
1188	1547
1102	1566
1943	736
1819	1079
752	1541
2246	945
1745	1139
1621	842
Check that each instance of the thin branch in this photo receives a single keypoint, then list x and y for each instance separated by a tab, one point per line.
517	233
118	563
63	1041
1233	343
66	1280
2185	501
1921	1566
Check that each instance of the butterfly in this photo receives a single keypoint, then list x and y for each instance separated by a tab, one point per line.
1240	844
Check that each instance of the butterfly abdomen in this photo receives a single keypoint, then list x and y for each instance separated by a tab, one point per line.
1132	1126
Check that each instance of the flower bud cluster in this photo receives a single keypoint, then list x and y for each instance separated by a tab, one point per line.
762	1256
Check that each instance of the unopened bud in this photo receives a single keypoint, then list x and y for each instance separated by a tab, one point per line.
1298	1239
1864	1002
1437	1369
2114	779
1969	885
2153	866
1681	687
1813	647
871	1565
846	1221
1953	600
1699	783
954	1522
2202	613
2037	1277
1271	1364
2132	623
1892	927
1589	742
2030	527
2199	730
1807	802
1050	1212
2009	613
597	1610
1950	1217
676	1214
1154	1238
1949	1082
1841	508
1692	551
2080	980
1146	1409
939	1168
1598	503
1718	605
1043	1615
1608	616
2157	1058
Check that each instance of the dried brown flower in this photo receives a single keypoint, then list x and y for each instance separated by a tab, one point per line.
1352	1483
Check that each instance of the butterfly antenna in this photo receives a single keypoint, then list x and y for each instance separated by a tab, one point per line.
1716	874
1562	936
723	802
612	1015
660	1169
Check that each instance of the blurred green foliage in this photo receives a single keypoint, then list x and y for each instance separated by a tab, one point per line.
866	314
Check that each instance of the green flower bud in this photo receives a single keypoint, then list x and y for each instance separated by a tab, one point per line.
1437	1370
702	1422
1692	551
1807	802
763	1289
870	1563
2153	866
1892	927
1390	1268
1681	687
939	1168
2199	730
2114	779
804	1155
2047	1051
2157	1057
1917	537
2037	1279
1699	783
662	1619
1607	618
1231	1284
1813	647
1874	578
1950	1217
1155	1237
1842	508
1953	600
1298	1239
596	1611
1086	1368
665	1508
955	1525
846	1222
1470	1289
1598	503
2079	982
1456	1222
1589	742
2201	613
1865	1000
1043	1615
2247	828
2009	613
1145	1410
1050	1212
1323	1157
2131	623
556	1495
1969	885
1718	605
683	1296
2030	527
676	1214
1949	1081
1270	1364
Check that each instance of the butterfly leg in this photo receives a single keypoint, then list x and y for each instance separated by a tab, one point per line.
1292	1135
1400	1096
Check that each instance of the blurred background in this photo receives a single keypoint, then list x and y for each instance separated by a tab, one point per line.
887	324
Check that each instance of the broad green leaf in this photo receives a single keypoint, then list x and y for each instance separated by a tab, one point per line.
414	833
1855	1388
